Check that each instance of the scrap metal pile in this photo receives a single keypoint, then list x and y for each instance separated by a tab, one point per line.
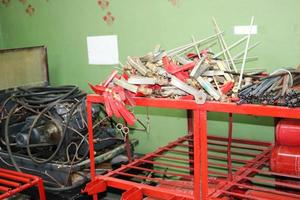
194	71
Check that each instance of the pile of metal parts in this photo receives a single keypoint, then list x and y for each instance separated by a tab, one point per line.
44	132
193	71
276	89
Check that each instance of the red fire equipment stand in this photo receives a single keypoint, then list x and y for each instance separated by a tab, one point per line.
12	182
245	161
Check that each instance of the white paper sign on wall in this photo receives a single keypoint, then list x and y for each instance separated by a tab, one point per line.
103	50
245	30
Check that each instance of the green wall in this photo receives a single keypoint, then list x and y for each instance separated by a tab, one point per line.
1	36
141	24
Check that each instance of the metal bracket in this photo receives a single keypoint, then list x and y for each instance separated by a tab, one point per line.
132	194
197	69
137	64
199	95
141	80
124	84
94	187
209	88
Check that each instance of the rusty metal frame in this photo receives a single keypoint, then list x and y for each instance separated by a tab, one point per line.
198	146
12	182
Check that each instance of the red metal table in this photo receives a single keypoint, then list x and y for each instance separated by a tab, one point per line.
12	182
197	128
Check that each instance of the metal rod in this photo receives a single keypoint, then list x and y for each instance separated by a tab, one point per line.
197	159
247	59
230	47
177	50
245	55
203	154
196	47
243	52
91	143
186	176
229	159
224	45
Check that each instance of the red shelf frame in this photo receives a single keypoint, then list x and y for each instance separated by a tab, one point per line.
12	182
197	121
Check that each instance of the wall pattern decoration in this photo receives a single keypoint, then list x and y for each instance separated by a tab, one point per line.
173	2
5	2
29	8
108	18
23	1
104	4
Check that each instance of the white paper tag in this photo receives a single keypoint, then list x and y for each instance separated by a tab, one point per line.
103	50
245	30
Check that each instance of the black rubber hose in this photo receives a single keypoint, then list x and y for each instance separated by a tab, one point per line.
63	134
36	98
9	115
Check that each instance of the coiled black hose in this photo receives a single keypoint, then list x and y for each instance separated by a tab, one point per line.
40	100
42	97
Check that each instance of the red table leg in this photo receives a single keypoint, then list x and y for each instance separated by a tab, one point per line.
41	189
197	172
203	154
91	143
229	161
191	142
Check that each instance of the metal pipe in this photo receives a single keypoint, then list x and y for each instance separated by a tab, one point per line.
242	53
247	59
224	45
230	47
177	50
196	47
229	159
13	177
245	55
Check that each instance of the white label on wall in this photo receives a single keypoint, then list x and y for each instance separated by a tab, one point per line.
245	30
103	50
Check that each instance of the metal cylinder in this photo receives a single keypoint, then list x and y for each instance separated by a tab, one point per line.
267	195
22	138
285	159
288	132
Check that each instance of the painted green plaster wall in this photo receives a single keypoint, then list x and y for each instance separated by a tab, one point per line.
141	24
1	36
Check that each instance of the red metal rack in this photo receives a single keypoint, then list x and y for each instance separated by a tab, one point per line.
200	160
12	182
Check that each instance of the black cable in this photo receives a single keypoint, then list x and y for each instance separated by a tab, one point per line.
41	94
13	161
39	101
41	97
29	137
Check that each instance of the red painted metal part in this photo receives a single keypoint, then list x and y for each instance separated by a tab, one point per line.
203	156
286	159
12	182
229	161
248	160
267	195
212	106
288	132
